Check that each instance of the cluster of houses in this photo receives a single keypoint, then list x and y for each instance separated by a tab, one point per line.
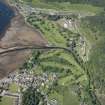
24	80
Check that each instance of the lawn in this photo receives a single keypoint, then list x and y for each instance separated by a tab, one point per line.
13	88
70	98
6	101
66	80
65	96
57	97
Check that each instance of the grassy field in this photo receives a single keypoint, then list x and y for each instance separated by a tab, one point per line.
65	96
57	97
66	6
93	29
71	96
13	88
6	101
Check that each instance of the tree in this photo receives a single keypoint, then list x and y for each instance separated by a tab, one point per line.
31	97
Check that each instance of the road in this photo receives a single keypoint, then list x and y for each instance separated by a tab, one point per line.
75	55
12	49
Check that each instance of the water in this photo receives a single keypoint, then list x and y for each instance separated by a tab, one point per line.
6	13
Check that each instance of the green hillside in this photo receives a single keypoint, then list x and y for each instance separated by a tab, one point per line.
89	75
73	6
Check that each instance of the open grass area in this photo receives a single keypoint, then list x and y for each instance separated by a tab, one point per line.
59	57
70	98
66	6
65	96
66	80
92	27
6	101
13	88
56	96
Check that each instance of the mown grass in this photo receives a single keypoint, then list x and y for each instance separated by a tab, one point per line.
70	98
13	88
6	101
56	96
65	96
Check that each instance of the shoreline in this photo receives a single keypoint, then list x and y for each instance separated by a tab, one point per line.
17	33
16	14
3	32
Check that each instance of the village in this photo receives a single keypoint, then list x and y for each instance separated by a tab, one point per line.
13	85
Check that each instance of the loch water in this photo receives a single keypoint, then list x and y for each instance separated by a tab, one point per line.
6	14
